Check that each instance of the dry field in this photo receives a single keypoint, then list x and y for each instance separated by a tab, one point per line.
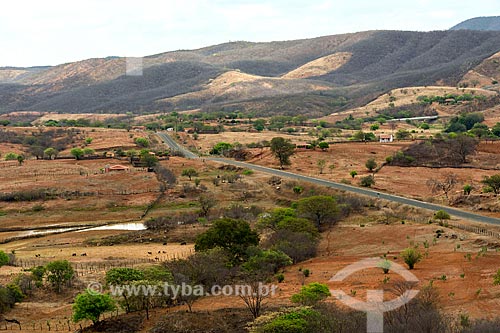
86	195
124	196
205	142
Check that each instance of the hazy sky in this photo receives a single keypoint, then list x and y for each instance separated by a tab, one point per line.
50	32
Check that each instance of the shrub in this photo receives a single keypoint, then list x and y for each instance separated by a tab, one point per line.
411	256
4	258
11	156
385	265
367	181
441	215
311	294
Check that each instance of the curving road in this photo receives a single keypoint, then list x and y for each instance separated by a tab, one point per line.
174	146
339	186
364	191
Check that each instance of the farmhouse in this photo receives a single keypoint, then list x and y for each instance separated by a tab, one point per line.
303	145
116	168
386	138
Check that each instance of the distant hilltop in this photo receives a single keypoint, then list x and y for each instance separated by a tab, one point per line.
489	23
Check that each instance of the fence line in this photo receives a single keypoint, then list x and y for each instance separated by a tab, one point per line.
477	230
86	268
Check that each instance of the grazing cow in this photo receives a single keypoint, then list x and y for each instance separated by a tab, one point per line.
157	259
83	254
150	253
183	243
163	252
37	255
73	255
159	252
165	243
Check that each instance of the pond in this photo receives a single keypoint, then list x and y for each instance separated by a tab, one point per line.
118	226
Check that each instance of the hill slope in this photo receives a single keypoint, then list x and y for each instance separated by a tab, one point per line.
277	76
489	23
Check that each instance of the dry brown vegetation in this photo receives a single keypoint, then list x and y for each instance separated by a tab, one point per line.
124	196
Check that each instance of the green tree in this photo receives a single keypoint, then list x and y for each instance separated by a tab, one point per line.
297	224
493	182
20	159
88	151
323	145
267	262
77	153
50	153
259	124
282	149
496	129
411	256
362	136
235	236
221	148
403	134
88	140
121	276
320	209
150	160
311	294
4	258
142	142
374	127
353	173
58	273
371	164
190	173
271	219
90	305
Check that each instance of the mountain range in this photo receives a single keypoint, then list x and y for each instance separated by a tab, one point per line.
489	23
314	76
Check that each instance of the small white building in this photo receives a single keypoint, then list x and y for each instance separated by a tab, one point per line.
385	138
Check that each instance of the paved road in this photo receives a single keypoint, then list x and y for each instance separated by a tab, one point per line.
364	191
174	146
339	186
